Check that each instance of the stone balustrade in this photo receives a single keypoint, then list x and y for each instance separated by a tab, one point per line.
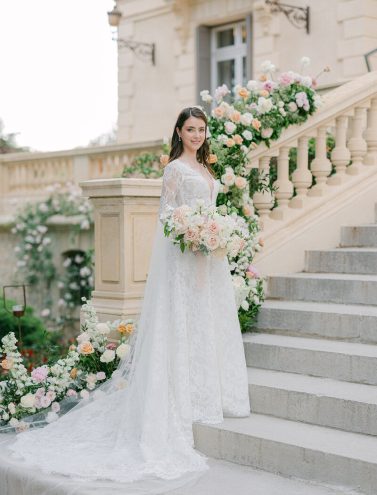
25	176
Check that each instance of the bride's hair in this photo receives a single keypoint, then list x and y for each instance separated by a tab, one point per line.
176	150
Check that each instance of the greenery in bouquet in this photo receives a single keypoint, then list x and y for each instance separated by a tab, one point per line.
37	396
35	249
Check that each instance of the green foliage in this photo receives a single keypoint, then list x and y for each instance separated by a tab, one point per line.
146	164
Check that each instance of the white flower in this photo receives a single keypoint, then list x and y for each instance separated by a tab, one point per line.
123	350
85	271
220	92
11	407
267	66
42	229
46	241
252	85
84	394
51	417
246	118
230	127
306	81
107	356
45	312
222	138
264	104
206	97
292	107
247	135
83	337
28	401
43	207
317	101
103	328
305	61
85	224
245	305
55	407
67	263
13	422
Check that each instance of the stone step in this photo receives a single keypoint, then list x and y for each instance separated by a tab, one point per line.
325	287
316	319
347	361
291	448
342	260
359	236
320	401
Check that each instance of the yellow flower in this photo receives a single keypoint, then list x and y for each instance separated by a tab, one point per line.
73	373
125	328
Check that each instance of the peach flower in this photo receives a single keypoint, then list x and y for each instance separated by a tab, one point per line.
125	328
85	348
240	182
243	92
218	112
212	158
238	139
235	116
73	373
263	77
264	92
256	124
230	142
246	209
164	160
7	363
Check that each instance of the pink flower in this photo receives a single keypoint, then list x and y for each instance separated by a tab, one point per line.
55	407
71	393
213	227
112	346
285	79
44	401
252	272
39	393
39	374
101	375
51	395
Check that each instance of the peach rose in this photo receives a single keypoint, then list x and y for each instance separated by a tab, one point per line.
85	348
230	142
263	77
212	242
261	242
238	139
264	92
246	210
213	227
7	363
218	112
256	124
240	182
243	92
212	158
125	328
164	160
236	116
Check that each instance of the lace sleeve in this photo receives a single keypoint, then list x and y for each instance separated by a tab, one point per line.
171	182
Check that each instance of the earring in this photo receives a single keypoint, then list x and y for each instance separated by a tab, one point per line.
180	138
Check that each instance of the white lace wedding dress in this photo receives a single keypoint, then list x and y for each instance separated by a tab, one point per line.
188	365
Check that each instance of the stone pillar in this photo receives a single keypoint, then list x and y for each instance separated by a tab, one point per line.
125	216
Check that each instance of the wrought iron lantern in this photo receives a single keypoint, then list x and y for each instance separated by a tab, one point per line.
297	16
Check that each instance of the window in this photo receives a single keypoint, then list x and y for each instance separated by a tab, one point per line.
228	55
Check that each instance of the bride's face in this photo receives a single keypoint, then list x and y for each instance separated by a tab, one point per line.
193	133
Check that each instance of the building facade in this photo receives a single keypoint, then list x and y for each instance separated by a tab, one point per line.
200	44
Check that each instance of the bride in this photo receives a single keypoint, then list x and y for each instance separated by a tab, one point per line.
187	363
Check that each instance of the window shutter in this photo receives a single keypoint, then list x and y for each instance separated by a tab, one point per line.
249	46
203	60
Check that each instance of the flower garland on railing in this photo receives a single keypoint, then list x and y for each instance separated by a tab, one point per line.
34	251
238	122
38	395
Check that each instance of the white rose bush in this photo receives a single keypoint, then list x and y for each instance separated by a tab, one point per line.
239	120
37	396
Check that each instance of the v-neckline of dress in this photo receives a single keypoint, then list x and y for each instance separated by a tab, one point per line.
211	189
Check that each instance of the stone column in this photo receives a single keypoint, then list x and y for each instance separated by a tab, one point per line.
125	216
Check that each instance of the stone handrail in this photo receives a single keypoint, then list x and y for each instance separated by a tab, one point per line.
25	176
351	113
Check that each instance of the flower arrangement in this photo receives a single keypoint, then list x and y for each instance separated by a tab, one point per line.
34	251
205	229
239	120
87	364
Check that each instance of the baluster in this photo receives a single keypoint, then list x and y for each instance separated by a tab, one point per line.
263	200
370	134
357	144
340	155
321	165
301	177
284	186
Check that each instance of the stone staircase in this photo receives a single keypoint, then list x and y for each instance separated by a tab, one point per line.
313	373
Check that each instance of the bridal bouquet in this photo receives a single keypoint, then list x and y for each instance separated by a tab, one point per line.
206	229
